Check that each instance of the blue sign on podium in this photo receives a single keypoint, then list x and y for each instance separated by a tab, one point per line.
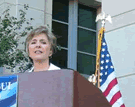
8	91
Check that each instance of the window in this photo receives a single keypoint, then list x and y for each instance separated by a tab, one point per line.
60	29
75	27
86	42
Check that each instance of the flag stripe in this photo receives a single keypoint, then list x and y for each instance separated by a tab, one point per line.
113	82
122	105
118	103
113	91
115	98
109	79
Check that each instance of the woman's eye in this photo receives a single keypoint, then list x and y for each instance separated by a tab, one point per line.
44	42
33	42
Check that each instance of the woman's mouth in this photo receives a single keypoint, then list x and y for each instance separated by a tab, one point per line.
38	52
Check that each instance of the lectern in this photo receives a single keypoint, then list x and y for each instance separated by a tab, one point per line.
58	88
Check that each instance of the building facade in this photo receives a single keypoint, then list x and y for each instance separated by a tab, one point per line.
73	23
121	40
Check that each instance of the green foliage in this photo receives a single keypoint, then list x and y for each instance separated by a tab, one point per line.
11	31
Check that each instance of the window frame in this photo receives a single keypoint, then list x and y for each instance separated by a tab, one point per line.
73	34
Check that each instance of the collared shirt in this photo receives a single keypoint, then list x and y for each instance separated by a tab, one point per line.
52	67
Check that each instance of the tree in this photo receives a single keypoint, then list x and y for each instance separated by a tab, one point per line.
11	31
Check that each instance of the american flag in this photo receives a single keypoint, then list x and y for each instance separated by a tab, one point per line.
108	81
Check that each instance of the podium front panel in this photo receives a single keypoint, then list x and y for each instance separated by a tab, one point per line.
46	89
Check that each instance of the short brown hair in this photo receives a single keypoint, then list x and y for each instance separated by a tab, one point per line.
42	30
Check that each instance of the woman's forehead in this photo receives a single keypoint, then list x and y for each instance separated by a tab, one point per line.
40	37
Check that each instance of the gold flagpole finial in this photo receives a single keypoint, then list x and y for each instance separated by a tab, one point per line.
103	17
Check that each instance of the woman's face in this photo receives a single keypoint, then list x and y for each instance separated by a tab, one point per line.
40	48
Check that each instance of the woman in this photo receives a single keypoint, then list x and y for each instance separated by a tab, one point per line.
40	46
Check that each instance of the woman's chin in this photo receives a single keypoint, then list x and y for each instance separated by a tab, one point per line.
39	59
38	56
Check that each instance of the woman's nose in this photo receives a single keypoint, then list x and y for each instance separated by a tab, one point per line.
38	44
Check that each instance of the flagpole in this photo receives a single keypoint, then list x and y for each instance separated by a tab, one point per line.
97	73
101	17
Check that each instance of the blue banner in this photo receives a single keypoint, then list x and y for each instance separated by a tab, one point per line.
8	91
